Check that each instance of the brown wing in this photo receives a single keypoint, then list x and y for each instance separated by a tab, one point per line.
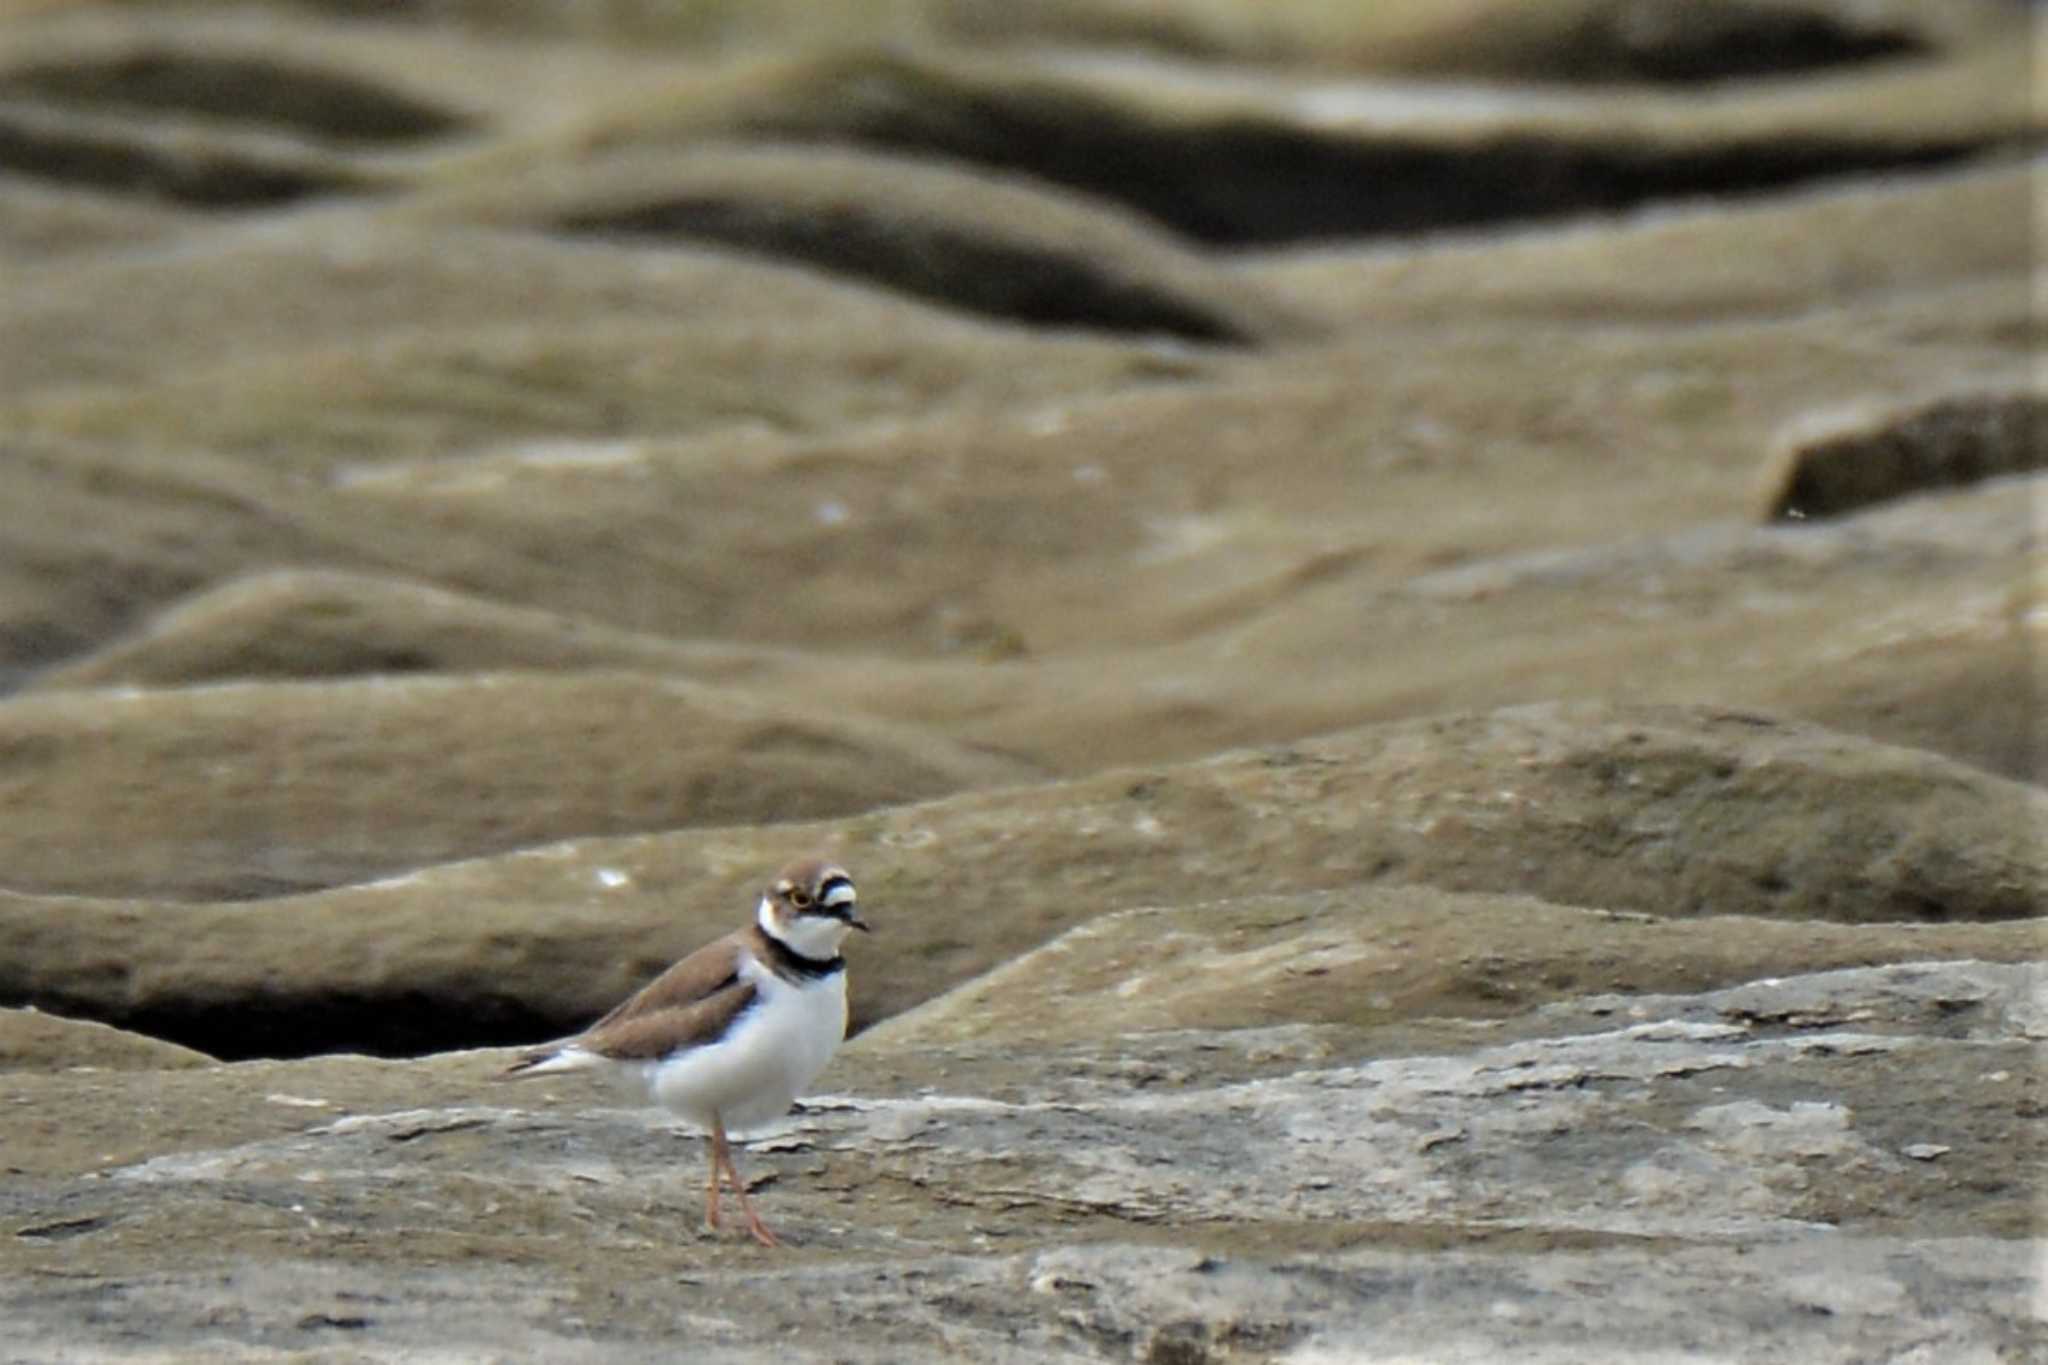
660	1032
690	1004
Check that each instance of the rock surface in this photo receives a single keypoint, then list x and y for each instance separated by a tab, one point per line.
1263	534
1818	1167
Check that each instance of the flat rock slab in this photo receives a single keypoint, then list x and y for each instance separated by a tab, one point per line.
1831	1300
1711	1177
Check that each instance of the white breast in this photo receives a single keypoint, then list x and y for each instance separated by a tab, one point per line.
750	1077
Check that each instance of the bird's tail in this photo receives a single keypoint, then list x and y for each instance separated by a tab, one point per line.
547	1061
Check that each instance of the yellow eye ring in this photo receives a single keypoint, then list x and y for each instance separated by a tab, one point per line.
800	898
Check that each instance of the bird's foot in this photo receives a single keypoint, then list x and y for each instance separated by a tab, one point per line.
762	1233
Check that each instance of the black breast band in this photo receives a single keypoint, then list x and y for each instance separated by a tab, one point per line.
787	961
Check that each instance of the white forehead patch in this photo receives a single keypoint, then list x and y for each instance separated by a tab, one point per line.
841	894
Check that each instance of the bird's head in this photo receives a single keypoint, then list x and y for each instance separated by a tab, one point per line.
812	906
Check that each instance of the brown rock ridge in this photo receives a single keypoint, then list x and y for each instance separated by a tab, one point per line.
240	790
314	623
33	1041
1911	624
1668	812
1373	961
1871	457
975	241
1244	165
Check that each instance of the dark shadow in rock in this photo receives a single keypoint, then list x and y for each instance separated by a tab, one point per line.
109	155
1011	247
967	270
1241	180
398	1022
1673	42
1893	454
243	89
1680	42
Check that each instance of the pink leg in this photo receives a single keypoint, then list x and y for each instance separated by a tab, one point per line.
711	1189
721	1154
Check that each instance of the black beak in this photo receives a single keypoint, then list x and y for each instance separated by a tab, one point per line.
852	917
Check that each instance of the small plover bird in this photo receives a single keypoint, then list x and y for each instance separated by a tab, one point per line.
731	1035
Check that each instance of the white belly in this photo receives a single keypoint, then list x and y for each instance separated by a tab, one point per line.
750	1077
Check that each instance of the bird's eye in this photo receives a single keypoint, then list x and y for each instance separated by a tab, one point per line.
800	898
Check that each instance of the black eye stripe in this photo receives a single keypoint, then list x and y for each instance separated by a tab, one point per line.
834	896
